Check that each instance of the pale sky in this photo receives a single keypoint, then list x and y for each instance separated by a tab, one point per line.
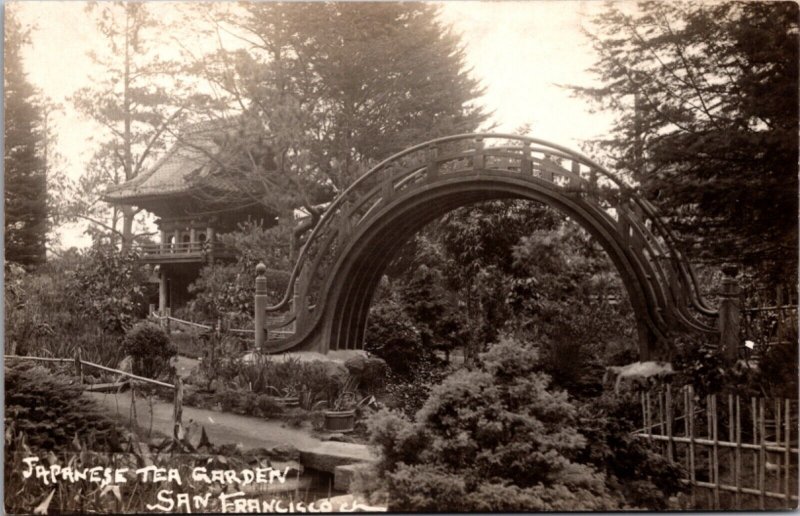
520	51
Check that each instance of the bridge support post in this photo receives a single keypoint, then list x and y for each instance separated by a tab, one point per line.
260	305
730	315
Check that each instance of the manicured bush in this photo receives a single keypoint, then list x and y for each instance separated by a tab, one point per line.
492	439
150	348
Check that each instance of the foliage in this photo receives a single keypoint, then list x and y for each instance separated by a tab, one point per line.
392	337
643	476
705	99
247	403
133	101
314	383
770	373
228	290
25	175
408	392
441	325
325	90
40	320
778	370
108	286
150	348
50	411
491	439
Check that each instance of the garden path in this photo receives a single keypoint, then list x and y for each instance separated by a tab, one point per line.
227	428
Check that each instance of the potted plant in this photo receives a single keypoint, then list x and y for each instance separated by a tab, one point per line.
341	413
341	416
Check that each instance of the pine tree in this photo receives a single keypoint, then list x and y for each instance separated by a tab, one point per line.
25	177
134	101
331	89
706	97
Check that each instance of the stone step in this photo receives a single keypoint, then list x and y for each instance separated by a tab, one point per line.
329	454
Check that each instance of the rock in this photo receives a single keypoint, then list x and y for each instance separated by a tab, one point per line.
126	364
638	373
343	475
277	453
336	437
356	365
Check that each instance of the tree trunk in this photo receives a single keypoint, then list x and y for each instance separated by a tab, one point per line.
127	228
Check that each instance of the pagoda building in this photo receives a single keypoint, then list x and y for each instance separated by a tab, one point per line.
193	204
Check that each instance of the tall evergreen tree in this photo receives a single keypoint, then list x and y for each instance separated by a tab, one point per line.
25	177
331	88
705	97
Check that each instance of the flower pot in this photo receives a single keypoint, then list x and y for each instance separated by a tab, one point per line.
340	420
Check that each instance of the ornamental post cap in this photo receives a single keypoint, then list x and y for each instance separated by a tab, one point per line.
261	269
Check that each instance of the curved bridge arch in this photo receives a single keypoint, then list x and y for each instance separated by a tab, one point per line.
331	286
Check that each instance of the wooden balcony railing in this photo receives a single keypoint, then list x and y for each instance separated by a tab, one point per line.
184	251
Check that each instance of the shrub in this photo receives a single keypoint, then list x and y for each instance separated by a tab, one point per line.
491	439
50	411
110	287
150	348
42	321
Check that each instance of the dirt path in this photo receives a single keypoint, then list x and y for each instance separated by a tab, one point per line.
226	428
221	427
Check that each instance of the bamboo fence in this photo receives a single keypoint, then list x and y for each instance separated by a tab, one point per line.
738	452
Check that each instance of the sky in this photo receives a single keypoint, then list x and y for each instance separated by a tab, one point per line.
522	52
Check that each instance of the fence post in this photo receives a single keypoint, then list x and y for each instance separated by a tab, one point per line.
177	413
167	315
79	365
260	305
730	314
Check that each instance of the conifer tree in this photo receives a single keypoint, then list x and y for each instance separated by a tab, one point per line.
25	176
705	97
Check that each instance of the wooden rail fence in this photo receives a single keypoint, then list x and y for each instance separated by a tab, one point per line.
79	364
167	321
738	452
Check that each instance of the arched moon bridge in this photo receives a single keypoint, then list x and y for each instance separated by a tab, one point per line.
332	284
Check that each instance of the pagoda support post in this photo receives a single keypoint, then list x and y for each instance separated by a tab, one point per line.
162	292
163	240
210	243
177	240
192	235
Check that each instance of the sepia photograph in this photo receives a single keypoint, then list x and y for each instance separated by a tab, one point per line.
476	256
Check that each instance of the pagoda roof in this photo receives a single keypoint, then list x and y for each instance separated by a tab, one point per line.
184	165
